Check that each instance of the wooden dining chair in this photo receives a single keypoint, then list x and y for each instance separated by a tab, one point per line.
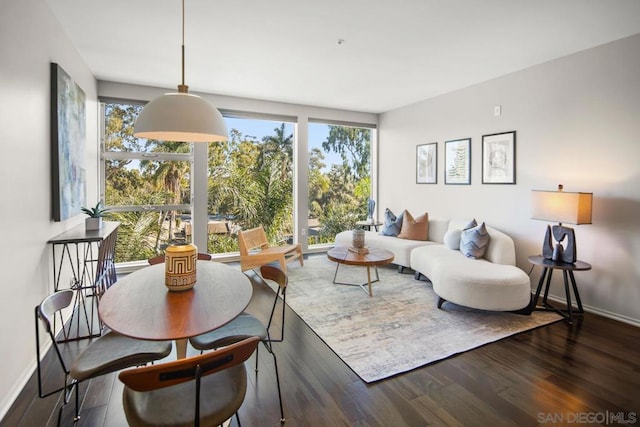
256	251
206	390
247	325
159	259
110	352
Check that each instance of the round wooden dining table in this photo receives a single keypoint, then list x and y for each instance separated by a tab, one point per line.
139	305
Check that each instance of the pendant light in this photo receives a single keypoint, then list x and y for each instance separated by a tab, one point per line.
180	116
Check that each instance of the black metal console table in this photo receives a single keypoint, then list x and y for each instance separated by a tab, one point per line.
89	257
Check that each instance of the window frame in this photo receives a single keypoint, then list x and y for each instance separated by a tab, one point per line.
133	155
373	168
105	155
199	167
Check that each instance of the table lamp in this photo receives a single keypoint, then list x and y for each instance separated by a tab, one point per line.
561	207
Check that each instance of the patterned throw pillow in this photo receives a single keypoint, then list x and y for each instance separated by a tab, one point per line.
474	241
392	224
414	228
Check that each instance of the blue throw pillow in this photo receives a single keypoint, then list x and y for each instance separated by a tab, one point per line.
474	241
392	224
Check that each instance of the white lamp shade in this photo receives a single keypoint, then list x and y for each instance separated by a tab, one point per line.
561	206
180	117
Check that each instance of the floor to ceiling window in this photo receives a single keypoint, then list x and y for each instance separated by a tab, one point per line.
250	181
149	186
339	179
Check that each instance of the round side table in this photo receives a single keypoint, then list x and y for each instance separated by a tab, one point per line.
567	273
367	225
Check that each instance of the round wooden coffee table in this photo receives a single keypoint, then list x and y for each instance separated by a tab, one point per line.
375	257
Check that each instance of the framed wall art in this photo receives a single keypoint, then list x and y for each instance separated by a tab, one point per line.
427	163
499	158
68	139
457	161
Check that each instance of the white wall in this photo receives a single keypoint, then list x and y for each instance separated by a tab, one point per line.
578	123
30	38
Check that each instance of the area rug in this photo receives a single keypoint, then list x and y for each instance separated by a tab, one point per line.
399	328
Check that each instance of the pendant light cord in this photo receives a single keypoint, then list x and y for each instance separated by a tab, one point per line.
183	88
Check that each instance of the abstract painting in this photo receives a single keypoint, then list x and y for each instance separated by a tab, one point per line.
68	139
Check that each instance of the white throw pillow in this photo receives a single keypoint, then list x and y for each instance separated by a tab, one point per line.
452	239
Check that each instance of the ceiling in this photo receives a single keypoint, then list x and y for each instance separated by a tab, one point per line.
394	52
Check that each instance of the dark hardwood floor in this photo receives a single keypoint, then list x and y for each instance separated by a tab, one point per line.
588	374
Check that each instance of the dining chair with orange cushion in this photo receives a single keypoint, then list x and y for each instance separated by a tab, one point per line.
206	389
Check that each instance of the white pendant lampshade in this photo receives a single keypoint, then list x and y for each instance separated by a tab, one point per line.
180	116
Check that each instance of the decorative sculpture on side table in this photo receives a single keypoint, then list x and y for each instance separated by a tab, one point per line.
371	204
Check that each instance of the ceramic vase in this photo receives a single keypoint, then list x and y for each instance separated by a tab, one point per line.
180	266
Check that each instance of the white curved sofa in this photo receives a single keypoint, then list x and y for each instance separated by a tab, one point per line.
491	283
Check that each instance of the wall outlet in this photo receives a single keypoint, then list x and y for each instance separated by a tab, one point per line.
497	110
303	231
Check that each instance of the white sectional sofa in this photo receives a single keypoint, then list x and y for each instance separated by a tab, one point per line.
491	283
401	248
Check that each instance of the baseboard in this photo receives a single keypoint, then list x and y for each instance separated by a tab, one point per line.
26	375
20	384
600	312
